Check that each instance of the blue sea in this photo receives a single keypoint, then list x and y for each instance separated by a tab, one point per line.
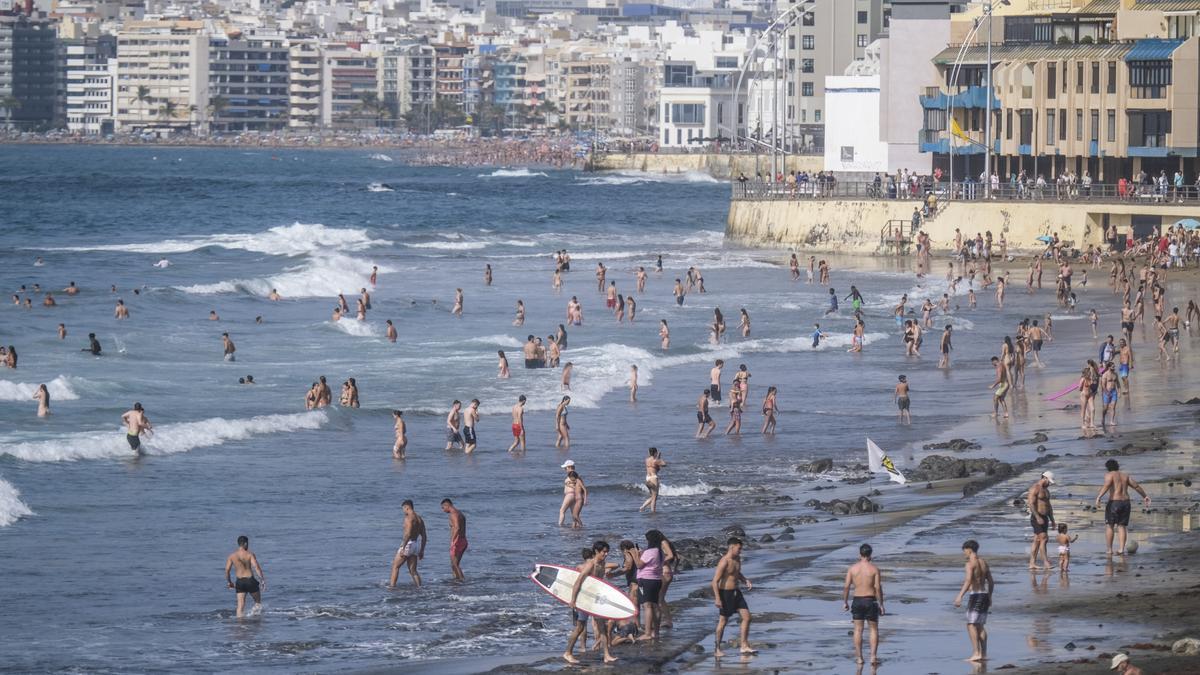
113	562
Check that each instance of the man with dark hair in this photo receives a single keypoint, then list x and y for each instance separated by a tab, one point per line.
868	601
592	566
1117	484
1041	518
408	553
458	537
518	424
729	598
978	580
245	564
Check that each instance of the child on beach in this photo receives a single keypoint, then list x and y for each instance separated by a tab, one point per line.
1064	548
1071	302
817	335
971	298
1095	319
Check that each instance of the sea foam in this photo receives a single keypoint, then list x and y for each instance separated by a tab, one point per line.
165	440
513	173
290	240
322	275
60	390
11	506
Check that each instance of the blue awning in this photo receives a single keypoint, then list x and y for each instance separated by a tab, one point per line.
973	97
1152	49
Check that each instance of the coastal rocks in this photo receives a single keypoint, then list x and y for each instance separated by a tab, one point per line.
818	467
789	521
941	467
1195	400
956	444
766	539
698	553
841	507
1038	437
1186	647
1131	449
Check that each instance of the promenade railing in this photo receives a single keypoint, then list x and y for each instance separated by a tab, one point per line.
968	191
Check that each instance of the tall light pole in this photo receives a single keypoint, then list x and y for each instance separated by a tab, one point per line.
987	124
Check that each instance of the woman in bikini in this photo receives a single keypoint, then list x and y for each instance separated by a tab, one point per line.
768	411
563	441
654	462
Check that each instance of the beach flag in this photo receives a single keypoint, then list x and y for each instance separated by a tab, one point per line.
957	130
878	461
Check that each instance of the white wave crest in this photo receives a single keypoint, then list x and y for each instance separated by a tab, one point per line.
450	245
690	490
513	173
290	240
501	340
11	506
379	157
636	177
165	440
355	327
60	390
322	275
379	187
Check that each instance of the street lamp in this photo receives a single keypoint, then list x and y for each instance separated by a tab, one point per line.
987	125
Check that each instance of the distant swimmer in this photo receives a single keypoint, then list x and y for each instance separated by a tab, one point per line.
48	301
163	264
679	292
228	347
361	310
867	607
374	274
42	396
62	331
727	595
324	395
212	315
391	331
245	565
519	320
664	334
503	365
518	424
274	295
136	424
365	297
633	384
121	311
93	345
562	429
10	357
470	419
38	262
641	279
453	437
457	310
487	275
401	434
458	537
351	394
566	375
977	587
654	464
410	552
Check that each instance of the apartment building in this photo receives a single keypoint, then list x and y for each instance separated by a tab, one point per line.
828	37
587	90
350	86
449	71
162	75
305	70
28	64
1105	87
700	74
406	78
631	107
87	91
247	83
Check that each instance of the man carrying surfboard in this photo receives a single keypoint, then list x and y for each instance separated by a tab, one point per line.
728	597
592	566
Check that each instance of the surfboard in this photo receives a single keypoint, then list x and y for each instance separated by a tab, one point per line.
596	596
1064	392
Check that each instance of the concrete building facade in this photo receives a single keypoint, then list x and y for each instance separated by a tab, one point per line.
247	83
305	72
162	75
28	66
88	91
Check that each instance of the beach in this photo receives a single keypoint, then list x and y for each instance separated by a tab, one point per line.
318	492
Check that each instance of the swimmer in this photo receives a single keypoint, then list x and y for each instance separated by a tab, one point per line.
121	311
458	534
212	315
228	347
470	419
391	331
504	372
518	424
409	553
566	376
487	275
654	463
42	396
457	310
274	296
136	424
633	384
562	429
453	437
401	434
664	333
62	331
245	564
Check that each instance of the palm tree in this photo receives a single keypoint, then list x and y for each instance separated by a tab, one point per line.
10	104
143	97
216	105
370	104
168	110
546	108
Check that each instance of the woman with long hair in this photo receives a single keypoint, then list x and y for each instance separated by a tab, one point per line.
563	441
42	396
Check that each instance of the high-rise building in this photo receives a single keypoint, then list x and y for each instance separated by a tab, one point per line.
406	79
304	83
87	90
350	86
629	104
247	83
28	66
162	75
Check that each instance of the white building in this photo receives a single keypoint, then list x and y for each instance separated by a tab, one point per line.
852	142
304	84
696	100
349	85
89	85
162	75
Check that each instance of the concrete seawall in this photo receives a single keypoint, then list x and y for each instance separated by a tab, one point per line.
854	226
715	165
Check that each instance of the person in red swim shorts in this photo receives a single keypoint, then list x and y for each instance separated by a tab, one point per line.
458	537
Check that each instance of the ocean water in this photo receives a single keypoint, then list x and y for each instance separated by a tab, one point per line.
113	563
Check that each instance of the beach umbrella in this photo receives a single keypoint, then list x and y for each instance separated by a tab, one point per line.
1188	223
1045	239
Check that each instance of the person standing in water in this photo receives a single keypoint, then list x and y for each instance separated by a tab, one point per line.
136	424
458	537
391	331
453	437
470	419
228	347
729	599
633	384
518	424
769	410
42	396
457	310
902	400
864	576
245	565
401	435
561	427
979	583
654	463
1117	485
409	553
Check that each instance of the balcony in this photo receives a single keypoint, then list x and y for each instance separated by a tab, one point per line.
973	97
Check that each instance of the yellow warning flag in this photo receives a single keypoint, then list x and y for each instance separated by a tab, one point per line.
957	130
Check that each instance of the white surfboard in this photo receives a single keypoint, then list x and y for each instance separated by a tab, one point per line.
596	597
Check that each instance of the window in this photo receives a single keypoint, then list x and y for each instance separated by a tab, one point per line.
791	43
1051	81
666	112
1112	77
1079	125
678	75
1096	77
1079	77
721	113
1008	124
862	40
1025	134
1149	128
806	88
687	113
806	65
1112	126
727	62
791	89
1095	126
816	115
862	17
1149	79
808	42
809	18
1050	127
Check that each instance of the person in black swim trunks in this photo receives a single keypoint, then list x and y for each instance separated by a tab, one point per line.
726	580
136	424
868	600
245	564
703	419
1041	518
1117	484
